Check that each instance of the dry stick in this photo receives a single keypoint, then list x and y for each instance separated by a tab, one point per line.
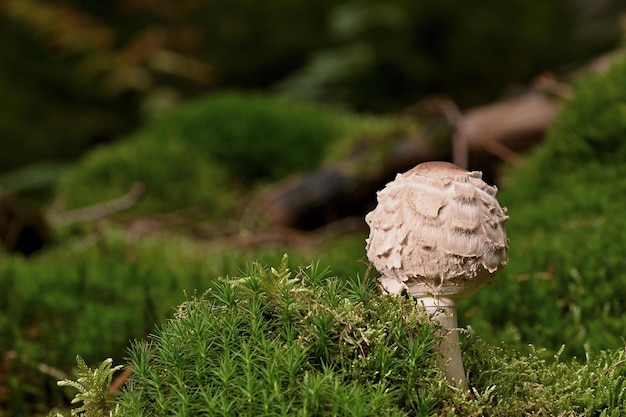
99	211
119	382
609	369
43	368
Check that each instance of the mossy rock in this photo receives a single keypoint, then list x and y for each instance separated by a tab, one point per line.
208	152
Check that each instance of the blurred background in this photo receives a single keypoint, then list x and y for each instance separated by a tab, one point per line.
77	73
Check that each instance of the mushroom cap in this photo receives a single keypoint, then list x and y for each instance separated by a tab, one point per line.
437	230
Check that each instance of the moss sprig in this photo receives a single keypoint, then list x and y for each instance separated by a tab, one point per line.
93	389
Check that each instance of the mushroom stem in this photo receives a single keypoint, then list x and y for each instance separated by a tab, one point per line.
443	310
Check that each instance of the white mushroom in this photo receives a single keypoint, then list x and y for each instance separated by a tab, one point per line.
438	233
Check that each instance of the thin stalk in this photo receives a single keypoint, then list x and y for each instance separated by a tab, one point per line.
443	310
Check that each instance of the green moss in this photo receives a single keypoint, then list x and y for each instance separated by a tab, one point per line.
563	282
92	296
174	174
209	152
252	137
275	343
509	383
589	131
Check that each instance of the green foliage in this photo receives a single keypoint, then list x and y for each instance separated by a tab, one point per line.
92	387
562	284
275	344
253	137
208	152
529	384
92	296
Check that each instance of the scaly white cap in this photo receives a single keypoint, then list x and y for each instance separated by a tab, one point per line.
437	229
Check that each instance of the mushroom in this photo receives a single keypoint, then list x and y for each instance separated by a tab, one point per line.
438	233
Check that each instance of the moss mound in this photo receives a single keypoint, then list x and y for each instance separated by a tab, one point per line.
271	343
563	282
591	129
208	152
93	296
509	383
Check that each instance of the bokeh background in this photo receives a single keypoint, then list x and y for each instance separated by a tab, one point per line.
74	74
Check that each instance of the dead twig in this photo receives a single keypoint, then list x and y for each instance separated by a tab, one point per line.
41	367
99	211
608	370
120	380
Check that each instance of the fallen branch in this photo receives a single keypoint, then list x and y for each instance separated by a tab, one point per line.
41	367
98	211
503	130
478	139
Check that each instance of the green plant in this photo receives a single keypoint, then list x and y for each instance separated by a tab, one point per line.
92	295
270	343
510	383
93	389
208	152
275	344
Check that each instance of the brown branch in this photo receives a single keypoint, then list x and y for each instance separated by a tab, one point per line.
41	367
99	211
505	128
608	370
120	380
